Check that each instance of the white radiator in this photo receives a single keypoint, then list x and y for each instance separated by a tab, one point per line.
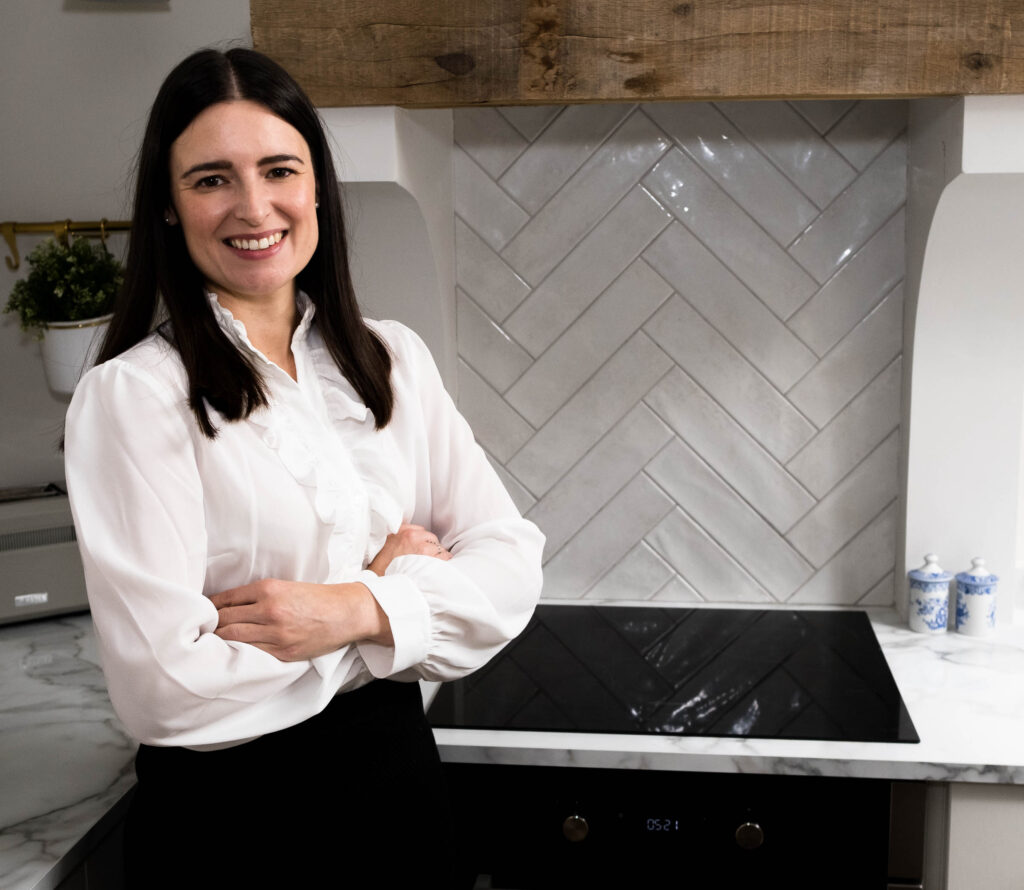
40	569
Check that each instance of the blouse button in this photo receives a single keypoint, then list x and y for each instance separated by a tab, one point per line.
270	439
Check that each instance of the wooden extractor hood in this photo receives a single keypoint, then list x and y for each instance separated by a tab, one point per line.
446	53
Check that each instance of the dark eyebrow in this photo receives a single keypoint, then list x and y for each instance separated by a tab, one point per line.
227	165
280	159
206	165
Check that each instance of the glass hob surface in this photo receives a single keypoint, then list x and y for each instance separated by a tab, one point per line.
748	673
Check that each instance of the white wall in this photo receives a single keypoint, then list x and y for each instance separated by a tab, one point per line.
964	413
79	80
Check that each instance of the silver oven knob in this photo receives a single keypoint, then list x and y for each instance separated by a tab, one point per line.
575	828
750	836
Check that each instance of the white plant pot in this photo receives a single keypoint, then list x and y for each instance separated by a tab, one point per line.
68	348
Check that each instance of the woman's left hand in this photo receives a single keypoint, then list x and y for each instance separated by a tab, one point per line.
409	540
294	621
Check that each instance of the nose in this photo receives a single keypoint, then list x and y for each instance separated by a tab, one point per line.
253	204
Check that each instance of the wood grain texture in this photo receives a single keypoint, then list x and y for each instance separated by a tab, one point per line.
502	52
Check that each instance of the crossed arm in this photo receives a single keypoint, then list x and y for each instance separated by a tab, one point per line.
294	621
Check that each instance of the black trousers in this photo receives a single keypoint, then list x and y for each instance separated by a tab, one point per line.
353	797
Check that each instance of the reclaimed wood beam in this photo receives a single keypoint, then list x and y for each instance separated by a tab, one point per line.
421	53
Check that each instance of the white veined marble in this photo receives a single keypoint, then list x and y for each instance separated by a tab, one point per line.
965	696
66	759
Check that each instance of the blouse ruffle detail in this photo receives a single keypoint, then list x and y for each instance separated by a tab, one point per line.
339	496
374	459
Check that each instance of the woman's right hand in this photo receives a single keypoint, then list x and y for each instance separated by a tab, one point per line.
408	540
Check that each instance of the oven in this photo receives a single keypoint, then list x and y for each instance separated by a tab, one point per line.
715	672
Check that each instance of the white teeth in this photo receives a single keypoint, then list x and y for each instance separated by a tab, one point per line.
253	244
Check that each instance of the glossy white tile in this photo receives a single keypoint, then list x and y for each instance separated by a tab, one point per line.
486	347
596	334
520	496
639	575
729	520
703	565
850	506
794	146
737	166
730	233
492	214
882	594
530	120
729	449
485	276
729	378
855	215
822	114
852	433
584	200
676	590
858	286
616	458
856	569
596	408
869	127
723	301
855	361
758	364
587	270
496	426
560	151
606	539
488	138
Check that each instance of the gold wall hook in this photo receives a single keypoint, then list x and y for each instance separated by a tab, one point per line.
60	229
13	261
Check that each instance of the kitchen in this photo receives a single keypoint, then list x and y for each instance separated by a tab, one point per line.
53	191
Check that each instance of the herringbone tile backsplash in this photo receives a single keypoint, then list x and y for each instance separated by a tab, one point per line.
680	333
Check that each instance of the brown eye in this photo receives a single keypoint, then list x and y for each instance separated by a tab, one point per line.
208	182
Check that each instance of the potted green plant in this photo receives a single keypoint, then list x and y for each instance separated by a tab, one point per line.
66	301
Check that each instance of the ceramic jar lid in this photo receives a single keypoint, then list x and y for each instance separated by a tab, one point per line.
977	574
931	571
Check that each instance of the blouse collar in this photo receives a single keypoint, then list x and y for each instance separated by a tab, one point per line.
238	335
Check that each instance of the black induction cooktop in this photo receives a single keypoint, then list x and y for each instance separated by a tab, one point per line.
749	673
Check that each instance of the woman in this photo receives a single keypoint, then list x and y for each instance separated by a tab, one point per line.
280	514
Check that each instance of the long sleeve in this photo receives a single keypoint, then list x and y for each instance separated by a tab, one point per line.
304	490
138	502
450	617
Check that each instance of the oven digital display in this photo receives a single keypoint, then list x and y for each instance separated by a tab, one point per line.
655	824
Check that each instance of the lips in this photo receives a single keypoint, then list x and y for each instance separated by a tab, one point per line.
263	242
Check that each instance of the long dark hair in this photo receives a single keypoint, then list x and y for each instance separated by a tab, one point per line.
159	266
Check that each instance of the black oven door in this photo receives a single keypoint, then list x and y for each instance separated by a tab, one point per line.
563	827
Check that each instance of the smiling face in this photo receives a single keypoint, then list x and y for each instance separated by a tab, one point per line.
244	191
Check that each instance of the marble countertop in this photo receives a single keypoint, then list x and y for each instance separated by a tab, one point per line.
68	763
965	696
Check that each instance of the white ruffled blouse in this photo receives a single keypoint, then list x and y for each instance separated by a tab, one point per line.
305	490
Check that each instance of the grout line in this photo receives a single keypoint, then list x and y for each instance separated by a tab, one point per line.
836	346
838	270
475	111
835	417
756	144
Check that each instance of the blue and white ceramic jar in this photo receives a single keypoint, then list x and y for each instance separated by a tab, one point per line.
976	600
929	597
